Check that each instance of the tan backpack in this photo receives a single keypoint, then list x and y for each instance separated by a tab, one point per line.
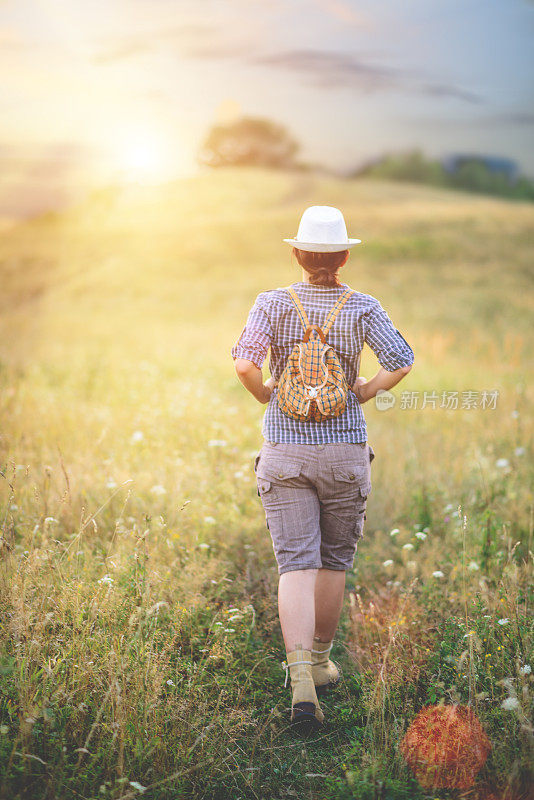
313	385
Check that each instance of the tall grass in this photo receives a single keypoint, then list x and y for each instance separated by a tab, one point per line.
139	641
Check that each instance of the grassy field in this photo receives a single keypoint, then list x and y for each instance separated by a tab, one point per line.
139	643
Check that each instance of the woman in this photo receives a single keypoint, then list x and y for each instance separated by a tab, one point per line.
313	477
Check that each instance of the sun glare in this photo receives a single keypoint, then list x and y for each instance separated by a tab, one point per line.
144	158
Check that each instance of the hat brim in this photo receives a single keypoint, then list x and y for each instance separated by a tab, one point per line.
323	247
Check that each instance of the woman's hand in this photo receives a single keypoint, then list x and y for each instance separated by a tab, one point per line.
252	379
383	380
359	390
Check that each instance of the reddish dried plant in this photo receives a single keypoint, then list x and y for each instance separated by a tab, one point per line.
446	747
391	635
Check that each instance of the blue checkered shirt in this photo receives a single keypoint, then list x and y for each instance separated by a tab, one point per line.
273	322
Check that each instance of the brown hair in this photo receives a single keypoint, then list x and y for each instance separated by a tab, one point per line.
322	267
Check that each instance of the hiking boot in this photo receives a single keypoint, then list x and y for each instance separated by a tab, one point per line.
325	673
305	709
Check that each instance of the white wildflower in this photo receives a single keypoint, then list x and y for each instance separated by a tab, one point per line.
520	451
473	566
137	436
158	490
13	507
510	704
4	729
138	786
210	520
449	507
170	683
217	443
204	546
388	562
503	621
526	669
438	574
51	521
234	616
394	532
420	535
111	484
502	463
408	546
229	630
107	579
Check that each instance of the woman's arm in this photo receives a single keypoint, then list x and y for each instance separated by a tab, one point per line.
252	379
384	379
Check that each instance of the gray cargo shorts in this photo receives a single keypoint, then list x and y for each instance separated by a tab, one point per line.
314	498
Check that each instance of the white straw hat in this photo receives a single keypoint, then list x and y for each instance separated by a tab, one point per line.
322	229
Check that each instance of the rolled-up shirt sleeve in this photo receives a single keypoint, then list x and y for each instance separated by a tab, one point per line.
390	347
256	336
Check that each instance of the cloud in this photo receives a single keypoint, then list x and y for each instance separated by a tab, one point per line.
345	13
151	41
514	118
320	68
330	70
333	70
443	90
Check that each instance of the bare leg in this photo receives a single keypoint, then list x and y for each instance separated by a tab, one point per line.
296	608
329	591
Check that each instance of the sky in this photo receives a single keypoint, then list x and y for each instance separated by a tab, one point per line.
97	91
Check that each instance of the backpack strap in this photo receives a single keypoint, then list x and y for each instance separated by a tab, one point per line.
298	305
336	309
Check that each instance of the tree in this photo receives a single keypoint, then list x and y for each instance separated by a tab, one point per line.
248	141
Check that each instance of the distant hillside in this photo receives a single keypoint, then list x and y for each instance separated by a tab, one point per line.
146	269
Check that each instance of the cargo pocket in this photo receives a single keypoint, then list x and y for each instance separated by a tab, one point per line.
356	476
353	486
273	474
